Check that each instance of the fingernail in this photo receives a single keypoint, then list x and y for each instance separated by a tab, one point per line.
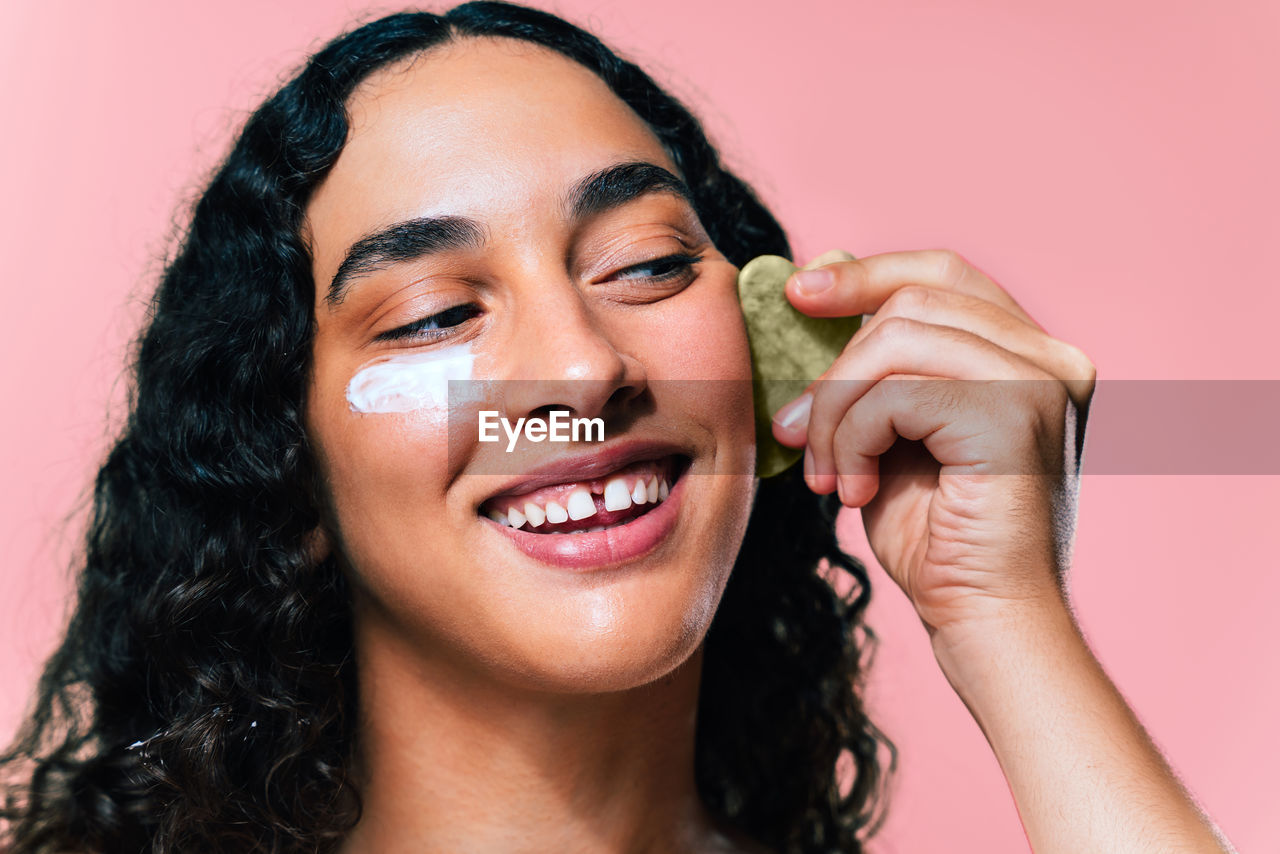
811	282
808	467
795	411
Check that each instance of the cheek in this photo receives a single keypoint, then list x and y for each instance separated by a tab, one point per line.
706	349
705	338
384	472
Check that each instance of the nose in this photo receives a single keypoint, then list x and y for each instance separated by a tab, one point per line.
562	359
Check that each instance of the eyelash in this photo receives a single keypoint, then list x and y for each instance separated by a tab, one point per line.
677	265
420	328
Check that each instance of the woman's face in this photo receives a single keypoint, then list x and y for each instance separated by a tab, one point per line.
549	299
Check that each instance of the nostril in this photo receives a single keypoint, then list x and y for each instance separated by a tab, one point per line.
624	395
544	412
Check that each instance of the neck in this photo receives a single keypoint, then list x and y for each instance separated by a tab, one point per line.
451	759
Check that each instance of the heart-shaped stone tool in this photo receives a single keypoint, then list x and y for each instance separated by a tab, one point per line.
789	349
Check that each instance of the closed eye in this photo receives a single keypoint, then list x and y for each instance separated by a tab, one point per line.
437	326
433	326
662	269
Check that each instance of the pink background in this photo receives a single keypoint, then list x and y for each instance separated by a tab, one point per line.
1113	165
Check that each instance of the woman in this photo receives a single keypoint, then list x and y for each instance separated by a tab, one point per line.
300	625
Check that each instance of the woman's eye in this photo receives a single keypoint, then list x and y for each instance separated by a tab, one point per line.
662	269
434	326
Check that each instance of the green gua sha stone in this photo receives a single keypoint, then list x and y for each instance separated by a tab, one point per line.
789	349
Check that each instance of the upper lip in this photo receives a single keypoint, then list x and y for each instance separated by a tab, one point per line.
586	466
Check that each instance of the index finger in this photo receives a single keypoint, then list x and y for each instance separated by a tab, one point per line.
862	286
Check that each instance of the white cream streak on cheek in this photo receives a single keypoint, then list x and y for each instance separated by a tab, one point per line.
410	381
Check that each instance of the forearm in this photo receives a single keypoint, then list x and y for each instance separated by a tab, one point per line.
1083	771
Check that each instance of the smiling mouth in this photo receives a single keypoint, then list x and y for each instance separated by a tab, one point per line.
596	504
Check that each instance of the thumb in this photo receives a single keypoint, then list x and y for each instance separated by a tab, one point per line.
830	257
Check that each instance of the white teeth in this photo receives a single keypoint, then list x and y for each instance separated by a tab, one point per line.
556	514
596	528
581	505
616	495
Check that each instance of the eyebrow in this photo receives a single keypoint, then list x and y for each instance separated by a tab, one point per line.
412	239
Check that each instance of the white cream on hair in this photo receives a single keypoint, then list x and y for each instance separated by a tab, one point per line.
409	381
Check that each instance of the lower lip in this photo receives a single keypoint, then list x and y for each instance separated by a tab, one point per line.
593	550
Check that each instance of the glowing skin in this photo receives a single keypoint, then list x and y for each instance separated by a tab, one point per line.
505	700
410	381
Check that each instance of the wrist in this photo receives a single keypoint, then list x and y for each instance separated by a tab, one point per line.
1083	772
1000	640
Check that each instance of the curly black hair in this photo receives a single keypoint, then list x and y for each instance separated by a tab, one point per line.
204	696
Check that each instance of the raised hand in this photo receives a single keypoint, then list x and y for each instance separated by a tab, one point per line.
954	421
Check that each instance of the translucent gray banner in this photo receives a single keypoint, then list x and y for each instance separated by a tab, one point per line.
1133	427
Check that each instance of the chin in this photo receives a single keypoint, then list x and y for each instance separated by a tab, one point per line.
607	640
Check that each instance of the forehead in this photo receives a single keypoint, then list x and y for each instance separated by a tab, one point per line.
484	127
